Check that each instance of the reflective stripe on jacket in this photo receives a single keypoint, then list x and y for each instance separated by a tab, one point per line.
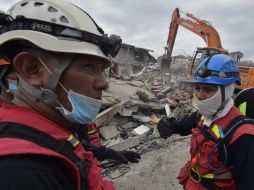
201	148
93	134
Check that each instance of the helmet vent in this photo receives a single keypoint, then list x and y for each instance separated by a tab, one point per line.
23	4
63	19
52	10
53	20
37	4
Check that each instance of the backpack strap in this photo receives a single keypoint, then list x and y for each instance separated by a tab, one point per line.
222	144
235	124
203	130
65	148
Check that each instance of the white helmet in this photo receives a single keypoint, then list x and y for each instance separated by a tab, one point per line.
58	26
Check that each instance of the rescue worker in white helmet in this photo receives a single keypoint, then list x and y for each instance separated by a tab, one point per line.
222	140
59	54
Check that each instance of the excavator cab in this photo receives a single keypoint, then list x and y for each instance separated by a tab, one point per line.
199	55
211	37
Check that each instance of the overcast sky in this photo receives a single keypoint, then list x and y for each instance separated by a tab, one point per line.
144	23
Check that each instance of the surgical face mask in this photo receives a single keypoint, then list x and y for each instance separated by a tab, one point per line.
12	86
84	109
210	106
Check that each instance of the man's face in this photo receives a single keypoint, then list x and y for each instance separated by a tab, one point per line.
204	91
85	76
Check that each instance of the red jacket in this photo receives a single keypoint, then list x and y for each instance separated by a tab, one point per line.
200	151
1	102
93	134
32	118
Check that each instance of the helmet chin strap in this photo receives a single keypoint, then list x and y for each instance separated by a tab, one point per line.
48	94
222	90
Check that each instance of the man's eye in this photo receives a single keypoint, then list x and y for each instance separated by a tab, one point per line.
88	67
209	89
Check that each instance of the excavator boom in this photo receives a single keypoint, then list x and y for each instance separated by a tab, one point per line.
212	39
200	27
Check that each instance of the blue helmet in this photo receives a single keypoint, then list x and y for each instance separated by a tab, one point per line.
217	69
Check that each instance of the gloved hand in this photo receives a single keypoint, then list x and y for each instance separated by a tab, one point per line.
165	127
123	156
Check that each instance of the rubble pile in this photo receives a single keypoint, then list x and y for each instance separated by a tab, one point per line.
134	109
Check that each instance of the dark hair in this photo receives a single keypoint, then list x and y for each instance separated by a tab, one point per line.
9	50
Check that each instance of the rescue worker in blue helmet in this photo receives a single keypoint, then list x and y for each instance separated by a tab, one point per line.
222	140
59	54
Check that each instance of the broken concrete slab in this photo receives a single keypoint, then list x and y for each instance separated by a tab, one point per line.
125	89
141	118
109	132
108	100
125	112
126	144
106	115
142	130
128	125
147	105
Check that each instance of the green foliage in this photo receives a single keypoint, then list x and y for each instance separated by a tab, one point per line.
142	95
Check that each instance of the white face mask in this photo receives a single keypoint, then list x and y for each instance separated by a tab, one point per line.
209	106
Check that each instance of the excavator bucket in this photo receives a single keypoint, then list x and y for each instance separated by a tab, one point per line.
164	63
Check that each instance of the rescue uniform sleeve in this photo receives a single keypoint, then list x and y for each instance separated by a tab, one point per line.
184	126
241	153
25	172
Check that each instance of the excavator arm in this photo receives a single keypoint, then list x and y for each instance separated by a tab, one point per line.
173	28
200	27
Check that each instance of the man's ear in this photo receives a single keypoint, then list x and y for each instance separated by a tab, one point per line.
28	67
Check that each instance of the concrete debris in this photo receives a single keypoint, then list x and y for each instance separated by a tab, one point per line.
126	144
142	130
129	125
168	110
140	118
106	115
145	105
132	109
126	112
109	132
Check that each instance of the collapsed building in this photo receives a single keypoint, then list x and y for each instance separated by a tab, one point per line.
135	102
132	59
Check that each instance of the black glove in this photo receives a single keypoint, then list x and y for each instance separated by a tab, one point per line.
122	156
165	127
